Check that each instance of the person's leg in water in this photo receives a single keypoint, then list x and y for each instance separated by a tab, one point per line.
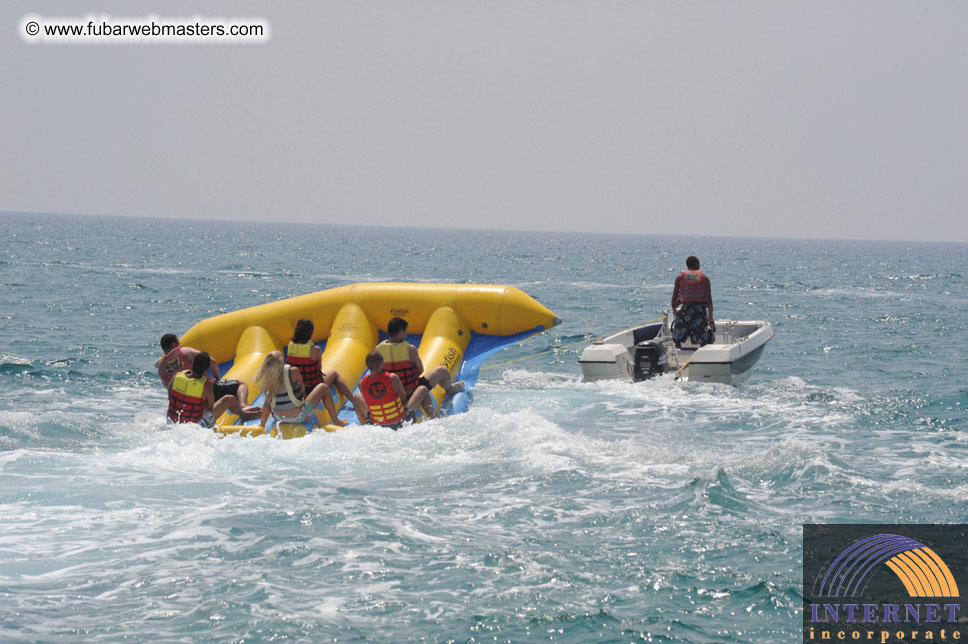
321	392
332	378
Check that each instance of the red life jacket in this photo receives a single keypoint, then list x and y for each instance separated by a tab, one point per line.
693	287
396	358
186	398
299	356
384	403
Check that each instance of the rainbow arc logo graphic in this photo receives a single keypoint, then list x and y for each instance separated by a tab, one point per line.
922	572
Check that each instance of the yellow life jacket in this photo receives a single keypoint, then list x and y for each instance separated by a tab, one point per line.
300	356
186	398
396	357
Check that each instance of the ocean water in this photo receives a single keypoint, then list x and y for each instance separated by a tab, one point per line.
553	511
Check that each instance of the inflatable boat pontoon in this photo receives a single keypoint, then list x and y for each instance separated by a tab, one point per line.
455	325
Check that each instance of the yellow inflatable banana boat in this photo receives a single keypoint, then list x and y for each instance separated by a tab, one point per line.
455	325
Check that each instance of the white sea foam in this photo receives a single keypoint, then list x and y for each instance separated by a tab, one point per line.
10	359
789	401
862	292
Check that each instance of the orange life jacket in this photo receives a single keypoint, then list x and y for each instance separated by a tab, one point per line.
384	403
299	356
396	357
693	287
186	398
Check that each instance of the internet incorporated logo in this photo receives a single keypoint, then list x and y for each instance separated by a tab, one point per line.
918	567
863	583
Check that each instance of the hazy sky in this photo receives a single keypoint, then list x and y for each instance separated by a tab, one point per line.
794	119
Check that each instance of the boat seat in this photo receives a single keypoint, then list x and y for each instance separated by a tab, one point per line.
644	333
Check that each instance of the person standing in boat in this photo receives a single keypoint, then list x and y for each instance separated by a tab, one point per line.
401	358
177	358
303	354
694	318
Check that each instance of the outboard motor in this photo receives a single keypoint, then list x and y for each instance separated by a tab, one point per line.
650	360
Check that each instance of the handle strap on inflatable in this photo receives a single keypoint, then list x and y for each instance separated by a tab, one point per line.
292	396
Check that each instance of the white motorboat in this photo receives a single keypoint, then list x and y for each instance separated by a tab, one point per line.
647	351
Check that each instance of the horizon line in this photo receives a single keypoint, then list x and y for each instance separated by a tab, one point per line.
477	229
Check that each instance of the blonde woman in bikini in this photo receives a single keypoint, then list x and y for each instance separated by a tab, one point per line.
286	400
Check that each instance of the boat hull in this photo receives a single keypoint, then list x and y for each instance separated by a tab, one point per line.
728	373
729	360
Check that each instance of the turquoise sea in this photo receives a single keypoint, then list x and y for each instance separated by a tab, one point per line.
553	511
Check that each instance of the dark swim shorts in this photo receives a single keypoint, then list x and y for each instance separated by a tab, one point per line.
408	418
421	382
692	322
223	388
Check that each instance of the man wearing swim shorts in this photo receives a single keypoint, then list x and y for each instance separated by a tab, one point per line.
177	358
401	358
191	398
693	291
